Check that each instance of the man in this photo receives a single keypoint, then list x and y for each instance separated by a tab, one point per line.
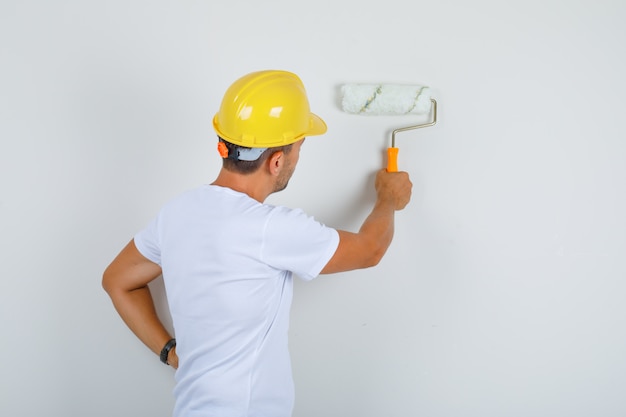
227	258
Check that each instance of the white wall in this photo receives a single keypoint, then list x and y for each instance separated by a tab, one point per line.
502	294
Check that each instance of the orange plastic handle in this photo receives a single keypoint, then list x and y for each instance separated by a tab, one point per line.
392	159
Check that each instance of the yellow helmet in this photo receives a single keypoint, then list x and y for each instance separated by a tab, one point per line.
266	109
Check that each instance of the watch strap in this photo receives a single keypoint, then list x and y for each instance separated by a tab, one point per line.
166	350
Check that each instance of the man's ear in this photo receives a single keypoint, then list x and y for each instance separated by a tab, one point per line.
276	162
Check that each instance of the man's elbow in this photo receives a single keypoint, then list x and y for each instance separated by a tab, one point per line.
376	253
356	251
108	281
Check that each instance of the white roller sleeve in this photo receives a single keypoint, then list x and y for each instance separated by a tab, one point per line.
385	99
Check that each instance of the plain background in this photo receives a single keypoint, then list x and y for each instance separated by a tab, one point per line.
503	291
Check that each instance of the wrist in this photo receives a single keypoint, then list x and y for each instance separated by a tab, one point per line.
172	358
385	204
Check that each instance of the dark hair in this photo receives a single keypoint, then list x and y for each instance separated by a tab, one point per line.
248	167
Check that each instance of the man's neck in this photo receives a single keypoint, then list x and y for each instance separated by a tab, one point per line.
254	185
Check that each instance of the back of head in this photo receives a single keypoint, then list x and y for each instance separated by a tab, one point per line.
245	160
264	109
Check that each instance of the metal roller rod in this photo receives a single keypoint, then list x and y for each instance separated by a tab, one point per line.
402	129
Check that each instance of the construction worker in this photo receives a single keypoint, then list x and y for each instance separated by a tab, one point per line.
227	258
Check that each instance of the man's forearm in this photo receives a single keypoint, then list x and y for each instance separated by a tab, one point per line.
378	227
126	281
137	309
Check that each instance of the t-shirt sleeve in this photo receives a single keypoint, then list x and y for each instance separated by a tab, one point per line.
148	242
296	242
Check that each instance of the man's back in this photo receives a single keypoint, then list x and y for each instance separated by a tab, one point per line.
226	261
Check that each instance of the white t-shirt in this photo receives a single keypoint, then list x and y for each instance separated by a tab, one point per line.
227	265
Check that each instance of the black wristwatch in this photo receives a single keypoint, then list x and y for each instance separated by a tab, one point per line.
166	350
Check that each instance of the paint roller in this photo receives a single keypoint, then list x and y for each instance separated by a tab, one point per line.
390	99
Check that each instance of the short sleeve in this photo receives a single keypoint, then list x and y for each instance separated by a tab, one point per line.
296	242
148	242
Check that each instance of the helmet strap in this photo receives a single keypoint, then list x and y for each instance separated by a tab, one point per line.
238	153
